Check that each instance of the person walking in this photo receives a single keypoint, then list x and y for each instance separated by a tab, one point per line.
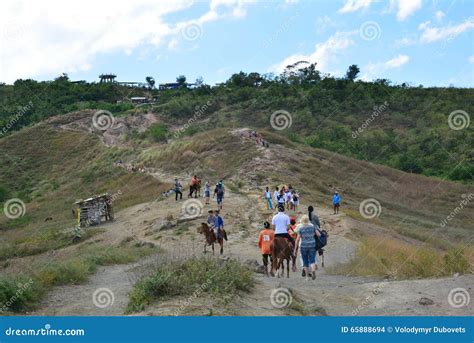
268	197
207	191
306	233
336	201
265	239
276	193
177	189
313	217
219	194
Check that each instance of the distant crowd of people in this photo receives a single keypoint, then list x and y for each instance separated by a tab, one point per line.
255	136
131	167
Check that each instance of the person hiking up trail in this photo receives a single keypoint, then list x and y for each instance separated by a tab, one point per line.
336	201
265	240
177	189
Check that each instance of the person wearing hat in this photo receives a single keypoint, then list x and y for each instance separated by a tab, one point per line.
336	201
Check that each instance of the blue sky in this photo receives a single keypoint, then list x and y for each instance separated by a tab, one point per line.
417	41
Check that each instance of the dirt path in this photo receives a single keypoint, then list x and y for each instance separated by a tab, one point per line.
244	214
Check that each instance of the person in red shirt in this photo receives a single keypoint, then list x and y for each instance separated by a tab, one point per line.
265	240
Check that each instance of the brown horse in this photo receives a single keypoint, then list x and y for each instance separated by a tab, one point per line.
196	189
281	251
211	237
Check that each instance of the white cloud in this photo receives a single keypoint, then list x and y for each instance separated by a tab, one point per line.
404	8
375	70
471	59
324	53
406	41
355	5
439	15
434	34
52	36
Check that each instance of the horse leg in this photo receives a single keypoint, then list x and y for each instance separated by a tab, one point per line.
222	246
272	269
287	267
213	248
205	244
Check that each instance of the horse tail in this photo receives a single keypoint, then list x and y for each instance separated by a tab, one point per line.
224	234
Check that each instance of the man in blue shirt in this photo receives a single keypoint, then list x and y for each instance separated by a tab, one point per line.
177	189
218	223
336	201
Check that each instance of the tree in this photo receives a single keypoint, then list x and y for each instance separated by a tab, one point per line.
151	82
181	80
352	72
199	81
62	78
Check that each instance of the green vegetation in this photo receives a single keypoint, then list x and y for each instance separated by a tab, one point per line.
402	126
222	281
158	132
389	257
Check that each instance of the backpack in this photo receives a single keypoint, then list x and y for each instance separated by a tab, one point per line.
323	240
220	191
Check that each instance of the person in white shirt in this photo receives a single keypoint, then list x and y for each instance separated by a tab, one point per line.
281	224
276	193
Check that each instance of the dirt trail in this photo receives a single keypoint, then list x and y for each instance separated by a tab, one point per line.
243	214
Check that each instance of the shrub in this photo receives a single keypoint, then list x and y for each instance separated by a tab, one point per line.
158	132
183	278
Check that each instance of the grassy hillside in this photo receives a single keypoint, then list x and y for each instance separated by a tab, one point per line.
49	170
400	126
49	166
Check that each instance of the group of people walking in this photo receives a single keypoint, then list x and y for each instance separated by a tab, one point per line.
302	235
195	186
287	197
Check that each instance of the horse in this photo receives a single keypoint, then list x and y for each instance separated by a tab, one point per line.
281	251
210	237
196	189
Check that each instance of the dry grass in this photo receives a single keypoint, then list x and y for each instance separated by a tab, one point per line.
377	256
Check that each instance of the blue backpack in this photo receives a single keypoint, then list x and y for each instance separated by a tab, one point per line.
323	240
